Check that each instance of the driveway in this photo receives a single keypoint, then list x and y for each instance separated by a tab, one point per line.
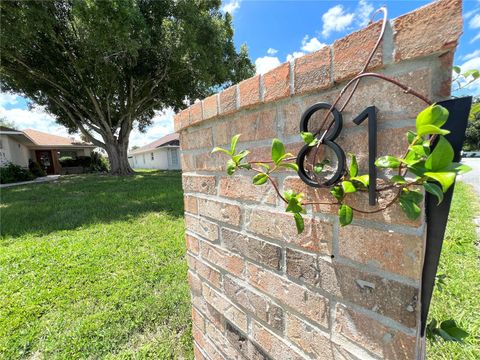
472	177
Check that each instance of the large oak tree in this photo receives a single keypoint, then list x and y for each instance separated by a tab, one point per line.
103	67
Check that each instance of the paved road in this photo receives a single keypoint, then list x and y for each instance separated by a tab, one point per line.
472	177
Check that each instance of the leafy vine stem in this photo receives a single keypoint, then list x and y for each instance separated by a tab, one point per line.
434	170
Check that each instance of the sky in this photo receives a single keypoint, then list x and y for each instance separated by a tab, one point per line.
276	31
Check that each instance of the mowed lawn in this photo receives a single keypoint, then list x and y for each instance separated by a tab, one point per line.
94	267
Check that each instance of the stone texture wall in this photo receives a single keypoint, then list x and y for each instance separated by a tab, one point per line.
259	290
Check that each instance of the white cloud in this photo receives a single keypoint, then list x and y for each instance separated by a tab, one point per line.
475	38
311	45
272	51
266	63
8	99
470	13
473	63
363	12
472	55
475	22
336	19
162	124
231	6
294	55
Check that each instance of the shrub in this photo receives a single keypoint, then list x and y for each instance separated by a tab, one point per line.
14	173
99	163
36	169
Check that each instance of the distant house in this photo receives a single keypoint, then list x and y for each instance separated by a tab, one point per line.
163	154
18	147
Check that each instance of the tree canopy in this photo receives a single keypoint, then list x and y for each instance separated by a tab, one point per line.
102	67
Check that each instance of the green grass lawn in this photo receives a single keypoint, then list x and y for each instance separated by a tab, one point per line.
94	267
460	298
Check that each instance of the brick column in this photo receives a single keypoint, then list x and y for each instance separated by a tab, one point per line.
259	290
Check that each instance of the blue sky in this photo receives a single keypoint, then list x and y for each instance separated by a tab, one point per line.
277	31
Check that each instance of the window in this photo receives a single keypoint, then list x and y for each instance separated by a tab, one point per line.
173	154
143	155
152	157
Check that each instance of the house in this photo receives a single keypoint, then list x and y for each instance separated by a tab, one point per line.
18	147
163	154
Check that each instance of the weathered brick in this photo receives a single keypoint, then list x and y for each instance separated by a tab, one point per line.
317	235
205	271
241	342
197	352
388	250
196	139
212	351
192	244
261	251
198	319
309	339
241	187
223	259
430	29
291	113
228	100
195	284
225	307
312	305
254	303
187	161
351	52
249	91
444	76
182	119
196	113
222	343
190	204
199	183
202	227
210	107
211	162
312	71
320	195
386	297
220	211
273	344
384	342
277	83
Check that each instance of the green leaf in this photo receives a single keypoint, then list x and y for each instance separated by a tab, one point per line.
435	115
318	167
234	143
348	187
397	179
265	166
409	207
292	166
431	129
245	166
278	150
231	166
294	206
289	194
216	149
353	170
441	156
345	215
413	195
411	137
418	168
473	73
387	161
420	150
363	179
451	328
458	168
434	189
260	179
457	69
299	222
446	179
337	192
309	138
239	157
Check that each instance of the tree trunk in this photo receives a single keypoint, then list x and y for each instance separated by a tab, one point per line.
117	156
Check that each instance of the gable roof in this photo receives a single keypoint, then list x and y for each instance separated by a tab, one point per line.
41	138
168	140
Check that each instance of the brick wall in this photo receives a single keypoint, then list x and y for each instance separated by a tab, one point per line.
259	290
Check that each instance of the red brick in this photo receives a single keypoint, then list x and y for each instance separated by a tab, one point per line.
182	119
202	227
430	29
192	244
187	161
195	284
309	339
273	344
190	204
277	83
199	183
220	211
211	162
241	187
205	271
351	52
225	307
223	259
197	139
384	342
198	319
221	342
249	91
312	305
197	352
321	195
445	75
210	107
317	235
312	71
228	100
246	347
196	113
388	250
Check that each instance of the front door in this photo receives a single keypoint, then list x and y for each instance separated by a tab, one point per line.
44	158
